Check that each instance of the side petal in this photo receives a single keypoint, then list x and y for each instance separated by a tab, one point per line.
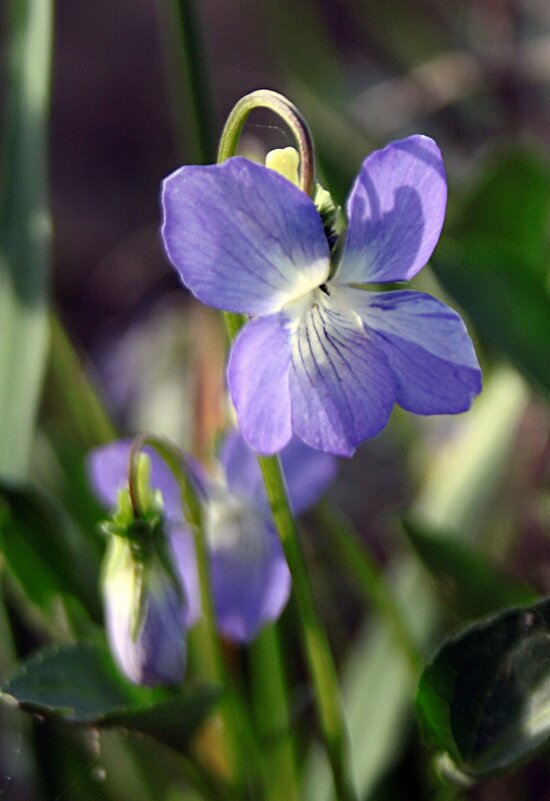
395	211
257	375
182	550
340	384
427	347
242	237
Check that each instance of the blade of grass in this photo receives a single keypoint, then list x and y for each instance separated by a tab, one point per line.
24	232
187	79
75	394
24	263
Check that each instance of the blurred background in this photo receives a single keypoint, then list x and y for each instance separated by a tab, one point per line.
129	105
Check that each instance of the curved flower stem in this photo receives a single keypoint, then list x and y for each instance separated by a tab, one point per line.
236	736
321	665
287	111
229	140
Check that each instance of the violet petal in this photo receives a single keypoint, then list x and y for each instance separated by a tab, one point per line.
341	386
257	375
242	237
428	348
395	211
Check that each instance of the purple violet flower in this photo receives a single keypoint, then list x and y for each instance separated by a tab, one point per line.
323	357
250	576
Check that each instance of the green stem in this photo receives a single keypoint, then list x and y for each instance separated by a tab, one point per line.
319	657
265	98
235	729
449	792
273	721
321	665
370	580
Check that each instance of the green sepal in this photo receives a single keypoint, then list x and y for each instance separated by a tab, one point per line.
332	216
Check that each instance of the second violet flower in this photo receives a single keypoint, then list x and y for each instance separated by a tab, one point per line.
250	576
324	357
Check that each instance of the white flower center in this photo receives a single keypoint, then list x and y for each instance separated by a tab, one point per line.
233	525
324	301
304	282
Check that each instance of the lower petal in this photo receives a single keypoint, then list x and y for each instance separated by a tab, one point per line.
251	583
258	381
428	349
340	383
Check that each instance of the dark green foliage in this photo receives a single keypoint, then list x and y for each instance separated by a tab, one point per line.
81	684
485	697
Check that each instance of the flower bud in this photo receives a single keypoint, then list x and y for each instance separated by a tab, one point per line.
145	617
145	606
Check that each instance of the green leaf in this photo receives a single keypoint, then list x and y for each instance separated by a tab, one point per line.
508	304
511	203
44	549
470	580
485	697
77	682
81	684
24	233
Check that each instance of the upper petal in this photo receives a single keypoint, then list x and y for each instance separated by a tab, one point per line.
395	211
242	237
340	384
428	348
307	472
257	375
108	471
241	467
